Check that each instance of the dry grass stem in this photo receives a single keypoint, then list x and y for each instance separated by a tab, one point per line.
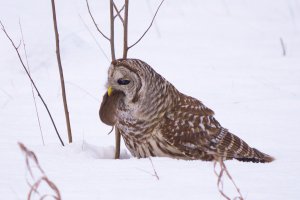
148	26
33	83
223	169
32	91
283	47
94	38
98	29
155	173
29	158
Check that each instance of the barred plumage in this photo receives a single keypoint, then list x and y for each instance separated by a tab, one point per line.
155	119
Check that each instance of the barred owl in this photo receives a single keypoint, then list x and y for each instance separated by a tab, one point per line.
155	119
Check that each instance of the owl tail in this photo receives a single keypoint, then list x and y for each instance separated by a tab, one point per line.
259	157
229	146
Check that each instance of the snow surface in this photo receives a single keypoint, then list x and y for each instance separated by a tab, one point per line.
227	53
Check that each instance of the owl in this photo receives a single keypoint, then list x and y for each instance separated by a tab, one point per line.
155	119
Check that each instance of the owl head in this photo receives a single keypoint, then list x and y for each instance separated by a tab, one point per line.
128	76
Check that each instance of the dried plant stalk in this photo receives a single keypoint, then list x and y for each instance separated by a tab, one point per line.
32	91
154	170
33	83
223	169
30	157
61	73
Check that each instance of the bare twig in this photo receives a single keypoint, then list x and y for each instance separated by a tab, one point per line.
283	46
30	156
112	27
83	90
155	173
62	82
148	27
113	57
7	99
32	91
29	76
150	173
151	13
97	43
118	143
220	182
18	46
6	93
98	29
44	179
223	169
111	39
233	182
118	12
112	128
125	29
112	30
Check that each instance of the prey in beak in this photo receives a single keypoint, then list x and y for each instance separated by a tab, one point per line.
109	106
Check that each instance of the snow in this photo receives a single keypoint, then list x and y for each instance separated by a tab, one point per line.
227	53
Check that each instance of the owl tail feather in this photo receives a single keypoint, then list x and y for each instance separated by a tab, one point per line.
229	146
259	157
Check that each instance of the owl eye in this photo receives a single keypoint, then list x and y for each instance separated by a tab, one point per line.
123	81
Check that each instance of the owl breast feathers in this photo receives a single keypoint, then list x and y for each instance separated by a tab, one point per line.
155	119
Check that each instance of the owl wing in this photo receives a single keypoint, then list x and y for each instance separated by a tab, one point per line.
184	128
191	128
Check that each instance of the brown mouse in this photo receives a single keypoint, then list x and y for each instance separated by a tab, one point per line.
109	106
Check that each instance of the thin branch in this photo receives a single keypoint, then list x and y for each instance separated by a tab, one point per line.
32	91
97	43
125	29
18	46
29	76
90	13
155	173
112	31
112	128
151	14
83	90
283	46
119	11
148	27
118	143
62	82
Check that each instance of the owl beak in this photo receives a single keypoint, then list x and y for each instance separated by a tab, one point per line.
109	91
